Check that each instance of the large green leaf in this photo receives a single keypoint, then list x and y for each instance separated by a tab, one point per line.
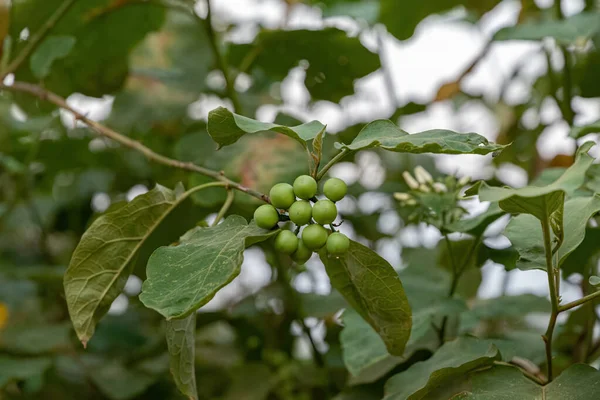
373	289
451	361
169	70
102	261
509	306
579	381
51	49
386	135
546	203
119	382
579	260
402	17
13	368
183	278
478	224
362	347
330	74
35	339
226	128
525	233
566	31
97	64
182	352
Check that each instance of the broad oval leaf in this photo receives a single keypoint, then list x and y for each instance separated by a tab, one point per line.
19	368
373	289
93	23
330	74
546	203
386	135
183	278
101	262
226	128
51	49
450	362
525	233
181	342
566	31
478	224
579	382
568	182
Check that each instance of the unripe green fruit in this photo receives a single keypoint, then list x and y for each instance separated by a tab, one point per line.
302	253
324	212
266	216
337	244
300	212
282	195
305	187
314	237
335	189
286	242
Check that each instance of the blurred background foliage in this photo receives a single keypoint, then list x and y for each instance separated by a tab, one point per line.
516	71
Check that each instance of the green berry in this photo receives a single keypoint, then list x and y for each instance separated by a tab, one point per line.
266	216
335	189
337	244
302	253
300	212
282	195
314	237
324	212
305	187
286	242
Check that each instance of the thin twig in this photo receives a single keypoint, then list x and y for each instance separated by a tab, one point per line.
105	131
579	302
221	61
343	153
37	38
527	374
225	207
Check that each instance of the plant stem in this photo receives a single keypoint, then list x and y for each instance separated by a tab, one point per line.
527	374
296	302
456	275
105	131
553	296
225	207
344	152
37	38
579	302
221	61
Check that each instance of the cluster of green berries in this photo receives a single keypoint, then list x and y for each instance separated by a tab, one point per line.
301	212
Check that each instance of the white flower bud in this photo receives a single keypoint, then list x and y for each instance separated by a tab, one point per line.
424	188
411	202
464	180
410	181
422	175
402	196
439	187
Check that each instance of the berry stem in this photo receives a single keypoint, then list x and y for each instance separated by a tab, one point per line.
343	153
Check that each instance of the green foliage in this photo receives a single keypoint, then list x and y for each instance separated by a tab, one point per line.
205	260
451	361
372	287
192	94
388	136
